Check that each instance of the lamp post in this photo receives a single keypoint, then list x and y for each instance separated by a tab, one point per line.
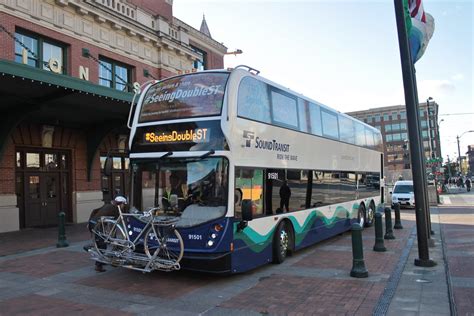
459	149
449	168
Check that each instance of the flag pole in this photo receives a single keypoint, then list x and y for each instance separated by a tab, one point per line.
409	83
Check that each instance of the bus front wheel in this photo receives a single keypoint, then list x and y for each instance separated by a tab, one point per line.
370	214
362	216
281	242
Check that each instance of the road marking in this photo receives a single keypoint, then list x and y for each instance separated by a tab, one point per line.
446	200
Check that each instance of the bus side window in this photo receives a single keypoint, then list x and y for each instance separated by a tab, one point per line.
249	186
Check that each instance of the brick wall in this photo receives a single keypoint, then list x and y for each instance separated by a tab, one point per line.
74	50
7	170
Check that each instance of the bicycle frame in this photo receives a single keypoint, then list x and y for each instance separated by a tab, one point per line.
120	221
126	256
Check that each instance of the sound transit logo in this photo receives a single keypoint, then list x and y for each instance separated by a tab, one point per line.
271	145
248	136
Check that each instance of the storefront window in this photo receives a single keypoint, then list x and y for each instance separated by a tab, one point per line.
32	160
51	161
19	159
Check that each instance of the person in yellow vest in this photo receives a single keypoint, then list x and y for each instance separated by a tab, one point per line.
178	189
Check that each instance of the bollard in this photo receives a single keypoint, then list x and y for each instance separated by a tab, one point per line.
358	265
379	246
388	224
62	241
398	221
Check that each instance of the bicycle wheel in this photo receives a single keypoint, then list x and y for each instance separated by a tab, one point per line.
106	233
165	242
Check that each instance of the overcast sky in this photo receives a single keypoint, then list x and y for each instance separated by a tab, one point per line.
345	53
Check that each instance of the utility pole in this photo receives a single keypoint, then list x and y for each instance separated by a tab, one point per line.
459	155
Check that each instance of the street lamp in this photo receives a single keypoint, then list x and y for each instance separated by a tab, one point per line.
459	149
235	52
449	168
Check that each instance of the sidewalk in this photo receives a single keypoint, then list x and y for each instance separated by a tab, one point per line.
37	278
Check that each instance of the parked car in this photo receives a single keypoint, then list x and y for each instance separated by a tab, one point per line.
403	193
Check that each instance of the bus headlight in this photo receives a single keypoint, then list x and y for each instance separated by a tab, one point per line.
215	232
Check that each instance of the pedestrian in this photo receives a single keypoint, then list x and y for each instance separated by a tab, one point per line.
108	209
285	194
468	184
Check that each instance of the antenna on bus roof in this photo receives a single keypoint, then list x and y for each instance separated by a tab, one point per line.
249	69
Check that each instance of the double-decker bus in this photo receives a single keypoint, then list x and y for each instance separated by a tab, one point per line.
254	170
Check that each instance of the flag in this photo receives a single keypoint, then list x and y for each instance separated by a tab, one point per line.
420	27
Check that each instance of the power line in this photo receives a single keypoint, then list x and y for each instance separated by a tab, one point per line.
467	113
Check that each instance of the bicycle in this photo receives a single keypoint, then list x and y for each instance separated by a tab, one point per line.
162	243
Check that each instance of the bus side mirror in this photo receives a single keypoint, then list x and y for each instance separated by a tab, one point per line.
108	166
247	210
247	214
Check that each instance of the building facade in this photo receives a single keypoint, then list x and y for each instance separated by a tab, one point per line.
470	160
68	70
392	122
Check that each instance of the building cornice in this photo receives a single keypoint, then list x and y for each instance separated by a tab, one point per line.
201	37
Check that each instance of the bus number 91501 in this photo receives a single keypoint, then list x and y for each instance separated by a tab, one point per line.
194	237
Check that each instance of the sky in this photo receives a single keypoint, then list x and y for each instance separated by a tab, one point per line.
345	54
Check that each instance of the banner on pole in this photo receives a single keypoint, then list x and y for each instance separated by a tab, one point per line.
420	27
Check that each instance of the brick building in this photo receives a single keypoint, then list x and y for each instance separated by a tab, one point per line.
392	122
68	69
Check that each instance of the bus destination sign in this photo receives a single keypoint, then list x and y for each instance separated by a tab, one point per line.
198	135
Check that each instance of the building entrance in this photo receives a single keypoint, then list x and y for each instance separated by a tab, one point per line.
42	186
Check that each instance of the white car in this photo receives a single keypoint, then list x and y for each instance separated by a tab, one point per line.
403	193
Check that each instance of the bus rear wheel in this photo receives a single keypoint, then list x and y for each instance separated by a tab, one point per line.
281	242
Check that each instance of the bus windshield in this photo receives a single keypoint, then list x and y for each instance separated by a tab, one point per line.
196	189
195	95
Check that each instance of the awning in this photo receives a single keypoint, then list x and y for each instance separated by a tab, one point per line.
36	95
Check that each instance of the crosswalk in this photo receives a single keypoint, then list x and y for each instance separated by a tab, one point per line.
458	199
445	200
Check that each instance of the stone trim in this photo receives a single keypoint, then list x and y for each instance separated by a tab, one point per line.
9	213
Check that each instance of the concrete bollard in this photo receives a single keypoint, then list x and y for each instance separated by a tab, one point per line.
379	245
62	241
388	224
398	221
358	265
